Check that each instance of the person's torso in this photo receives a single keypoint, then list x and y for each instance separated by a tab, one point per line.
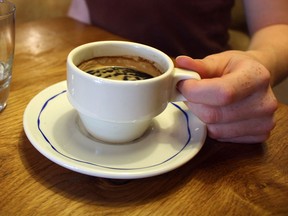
191	27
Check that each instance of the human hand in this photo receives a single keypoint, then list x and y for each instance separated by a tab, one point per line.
234	97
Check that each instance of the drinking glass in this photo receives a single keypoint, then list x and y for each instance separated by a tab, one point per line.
7	43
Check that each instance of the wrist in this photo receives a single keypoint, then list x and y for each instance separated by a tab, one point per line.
269	60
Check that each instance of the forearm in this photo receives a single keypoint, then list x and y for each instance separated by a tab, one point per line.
269	46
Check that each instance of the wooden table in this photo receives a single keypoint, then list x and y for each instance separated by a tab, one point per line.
223	179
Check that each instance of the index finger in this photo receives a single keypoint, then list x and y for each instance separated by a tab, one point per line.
220	91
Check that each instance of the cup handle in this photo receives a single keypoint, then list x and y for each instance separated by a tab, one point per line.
181	74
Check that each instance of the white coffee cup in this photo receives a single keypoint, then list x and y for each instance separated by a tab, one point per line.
118	111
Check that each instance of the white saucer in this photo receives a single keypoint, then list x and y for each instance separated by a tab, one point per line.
53	127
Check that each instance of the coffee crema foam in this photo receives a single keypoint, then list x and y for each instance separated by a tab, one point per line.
120	68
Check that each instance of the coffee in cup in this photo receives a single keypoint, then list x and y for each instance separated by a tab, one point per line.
129	68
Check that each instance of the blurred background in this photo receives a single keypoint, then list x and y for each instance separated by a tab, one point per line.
38	9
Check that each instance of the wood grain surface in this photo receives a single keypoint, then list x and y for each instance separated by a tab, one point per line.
223	179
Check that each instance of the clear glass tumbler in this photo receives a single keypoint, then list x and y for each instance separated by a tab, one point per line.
7	43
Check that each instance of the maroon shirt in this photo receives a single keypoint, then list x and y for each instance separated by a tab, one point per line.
192	27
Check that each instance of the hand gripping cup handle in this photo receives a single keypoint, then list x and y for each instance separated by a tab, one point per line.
181	74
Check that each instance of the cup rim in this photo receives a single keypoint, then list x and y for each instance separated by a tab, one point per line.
126	82
11	8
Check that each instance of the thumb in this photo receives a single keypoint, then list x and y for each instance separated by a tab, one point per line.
205	68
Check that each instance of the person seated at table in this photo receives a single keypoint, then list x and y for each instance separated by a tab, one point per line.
234	97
